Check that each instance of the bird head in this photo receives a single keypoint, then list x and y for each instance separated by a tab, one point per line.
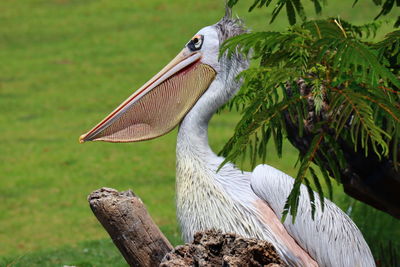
161	103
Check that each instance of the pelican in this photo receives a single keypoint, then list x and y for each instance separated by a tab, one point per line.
187	92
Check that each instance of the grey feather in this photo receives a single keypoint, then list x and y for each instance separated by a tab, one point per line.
332	238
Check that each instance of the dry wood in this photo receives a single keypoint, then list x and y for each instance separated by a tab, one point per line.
131	228
213	248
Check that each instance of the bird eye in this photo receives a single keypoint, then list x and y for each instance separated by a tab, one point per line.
196	42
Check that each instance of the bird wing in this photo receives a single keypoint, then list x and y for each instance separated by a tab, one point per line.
332	238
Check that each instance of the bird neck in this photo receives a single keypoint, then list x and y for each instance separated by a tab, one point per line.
193	130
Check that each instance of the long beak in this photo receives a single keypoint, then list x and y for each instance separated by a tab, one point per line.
159	105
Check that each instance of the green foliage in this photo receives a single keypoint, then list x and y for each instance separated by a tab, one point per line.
295	8
348	81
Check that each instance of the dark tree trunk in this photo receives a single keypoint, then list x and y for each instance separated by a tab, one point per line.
369	179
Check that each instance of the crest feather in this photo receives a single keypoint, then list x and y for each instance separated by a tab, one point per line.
228	26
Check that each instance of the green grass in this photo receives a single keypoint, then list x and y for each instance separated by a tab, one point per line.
65	64
84	254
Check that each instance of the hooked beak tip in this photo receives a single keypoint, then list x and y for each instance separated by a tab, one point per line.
82	139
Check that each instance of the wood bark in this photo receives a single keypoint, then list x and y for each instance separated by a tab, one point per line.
129	225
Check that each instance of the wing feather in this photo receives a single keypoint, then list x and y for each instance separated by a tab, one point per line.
332	238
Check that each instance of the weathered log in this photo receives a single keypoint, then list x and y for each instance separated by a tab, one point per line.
130	227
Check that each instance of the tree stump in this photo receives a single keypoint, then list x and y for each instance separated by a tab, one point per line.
129	225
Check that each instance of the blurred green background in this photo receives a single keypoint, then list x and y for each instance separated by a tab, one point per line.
64	65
